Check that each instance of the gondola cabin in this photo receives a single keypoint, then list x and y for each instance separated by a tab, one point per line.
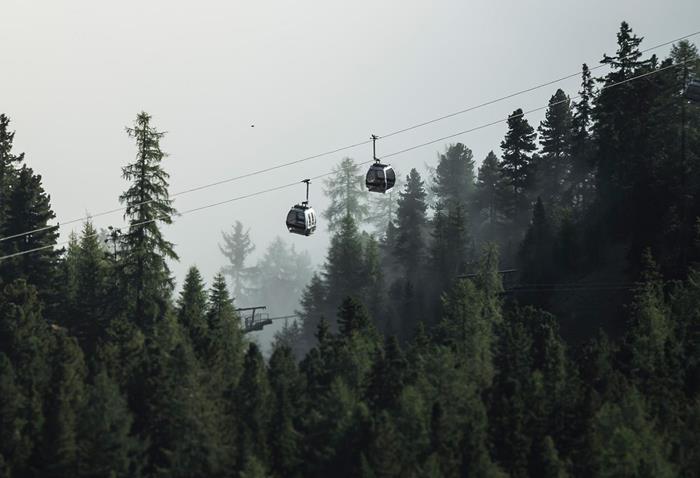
380	178
301	219
692	91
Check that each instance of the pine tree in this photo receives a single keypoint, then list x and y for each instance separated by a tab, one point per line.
14	448
352	317
92	271
516	167
345	188
488	191
107	447
453	183
341	275
285	438
311	309
143	249
411	221
236	248
29	209
253	399
7	174
224	341
449	251
64	409
536	251
581	178
388	375
555	138
382	207
191	310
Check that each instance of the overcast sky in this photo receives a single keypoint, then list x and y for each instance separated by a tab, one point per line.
311	76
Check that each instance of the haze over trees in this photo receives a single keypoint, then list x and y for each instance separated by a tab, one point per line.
413	354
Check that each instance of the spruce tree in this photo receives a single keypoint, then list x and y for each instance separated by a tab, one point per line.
64	408
555	138
411	221
347	193
488	191
191	310
143	249
453	183
107	447
516	167
581	178
29	209
311	309
14	448
236	248
341	274
7	174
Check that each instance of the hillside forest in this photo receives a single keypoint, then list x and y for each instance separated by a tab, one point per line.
537	315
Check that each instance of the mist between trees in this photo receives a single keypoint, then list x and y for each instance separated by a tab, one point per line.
413	354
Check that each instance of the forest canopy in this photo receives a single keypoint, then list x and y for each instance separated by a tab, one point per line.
536	315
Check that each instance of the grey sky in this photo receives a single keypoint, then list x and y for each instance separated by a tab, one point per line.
311	76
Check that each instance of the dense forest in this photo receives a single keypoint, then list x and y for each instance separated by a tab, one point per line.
536	316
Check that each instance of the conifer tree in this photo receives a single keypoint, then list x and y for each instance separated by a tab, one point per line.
536	251
311	309
107	447
347	193
342	277
581	178
224	341
92	271
555	138
143	249
253	399
64	408
29	209
409	248
488	191
14	446
453	183
516	167
388	375
236	248
7	173
191	310
285	438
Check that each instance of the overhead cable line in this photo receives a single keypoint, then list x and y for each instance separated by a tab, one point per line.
526	90
548	105
350	146
238	198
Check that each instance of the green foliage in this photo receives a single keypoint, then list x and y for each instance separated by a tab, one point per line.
143	249
236	248
191	310
346	190
517	171
410	244
454	177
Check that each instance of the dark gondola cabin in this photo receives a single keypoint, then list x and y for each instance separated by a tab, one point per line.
380	178
301	218
692	91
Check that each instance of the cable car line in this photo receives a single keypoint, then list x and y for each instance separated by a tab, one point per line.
476	128
21	253
526	90
343	148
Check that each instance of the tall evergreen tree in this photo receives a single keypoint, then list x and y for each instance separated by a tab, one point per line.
488	192
581	178
191	310
516	167
453	183
236	248
29	209
143	249
411	221
555	138
342	276
347	193
7	172
107	447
